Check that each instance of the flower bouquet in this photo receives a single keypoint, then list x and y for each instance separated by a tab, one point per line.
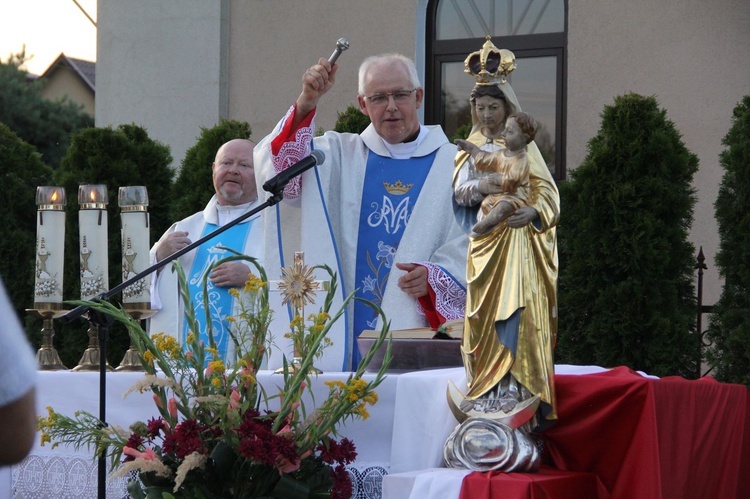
219	434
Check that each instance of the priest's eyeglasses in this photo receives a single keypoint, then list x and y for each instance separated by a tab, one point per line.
399	97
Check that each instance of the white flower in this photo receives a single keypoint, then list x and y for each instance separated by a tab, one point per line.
150	380
194	460
144	466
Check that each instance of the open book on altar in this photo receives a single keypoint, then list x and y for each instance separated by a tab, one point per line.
417	348
450	330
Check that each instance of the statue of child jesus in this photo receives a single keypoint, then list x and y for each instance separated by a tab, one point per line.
507	188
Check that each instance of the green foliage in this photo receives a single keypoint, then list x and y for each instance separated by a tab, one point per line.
462	132
21	171
352	120
730	324
194	185
626	295
117	158
47	125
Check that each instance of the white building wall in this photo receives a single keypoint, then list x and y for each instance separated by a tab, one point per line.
273	42
691	55
162	65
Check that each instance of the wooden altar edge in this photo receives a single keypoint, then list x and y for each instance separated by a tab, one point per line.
417	348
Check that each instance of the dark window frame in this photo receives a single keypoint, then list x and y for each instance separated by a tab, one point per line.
438	52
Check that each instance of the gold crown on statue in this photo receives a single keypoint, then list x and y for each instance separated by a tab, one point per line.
490	63
397	189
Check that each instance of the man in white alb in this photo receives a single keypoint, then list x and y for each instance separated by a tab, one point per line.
378	210
236	194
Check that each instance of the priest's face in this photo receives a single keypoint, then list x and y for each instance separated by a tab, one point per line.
391	101
234	174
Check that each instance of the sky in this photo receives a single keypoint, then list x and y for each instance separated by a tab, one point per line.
47	27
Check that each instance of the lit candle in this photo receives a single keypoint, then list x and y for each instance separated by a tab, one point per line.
133	203
92	222
50	241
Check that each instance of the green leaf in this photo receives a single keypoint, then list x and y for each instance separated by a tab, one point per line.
290	488
134	490
223	458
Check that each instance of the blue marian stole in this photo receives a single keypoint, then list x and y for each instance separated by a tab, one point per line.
391	188
220	302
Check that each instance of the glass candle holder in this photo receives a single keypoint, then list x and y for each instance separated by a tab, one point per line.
92	221
50	244
133	202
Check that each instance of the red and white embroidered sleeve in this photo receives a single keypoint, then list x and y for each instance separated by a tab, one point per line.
290	146
446	298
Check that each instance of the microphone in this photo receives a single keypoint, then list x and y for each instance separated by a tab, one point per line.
277	183
341	45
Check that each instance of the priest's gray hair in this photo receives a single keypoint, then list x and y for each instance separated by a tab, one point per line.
377	60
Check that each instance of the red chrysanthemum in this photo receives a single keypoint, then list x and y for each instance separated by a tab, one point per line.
185	439
258	443
342	452
154	426
286	448
342	483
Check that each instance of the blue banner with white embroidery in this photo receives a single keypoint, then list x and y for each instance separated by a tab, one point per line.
392	187
220	302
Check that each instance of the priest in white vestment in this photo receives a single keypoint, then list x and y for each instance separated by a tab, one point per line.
378	209
236	194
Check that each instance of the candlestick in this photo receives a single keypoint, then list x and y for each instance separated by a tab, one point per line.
47	357
92	219
50	241
136	298
133	203
92	223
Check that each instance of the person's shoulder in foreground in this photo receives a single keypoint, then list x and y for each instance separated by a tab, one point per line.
17	387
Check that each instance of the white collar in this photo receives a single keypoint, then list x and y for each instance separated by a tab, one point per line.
405	150
228	213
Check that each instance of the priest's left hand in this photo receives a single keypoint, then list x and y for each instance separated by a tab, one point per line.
230	274
414	283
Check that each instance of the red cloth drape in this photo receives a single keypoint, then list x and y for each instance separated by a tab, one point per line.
647	438
547	483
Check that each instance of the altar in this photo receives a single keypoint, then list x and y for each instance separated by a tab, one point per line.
619	434
69	473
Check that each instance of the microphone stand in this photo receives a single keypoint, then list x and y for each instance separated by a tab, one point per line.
103	321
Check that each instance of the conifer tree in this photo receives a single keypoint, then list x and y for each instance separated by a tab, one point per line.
46	125
729	329
352	120
194	185
21	171
626	295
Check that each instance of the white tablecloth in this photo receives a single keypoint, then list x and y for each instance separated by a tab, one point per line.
405	431
404	434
